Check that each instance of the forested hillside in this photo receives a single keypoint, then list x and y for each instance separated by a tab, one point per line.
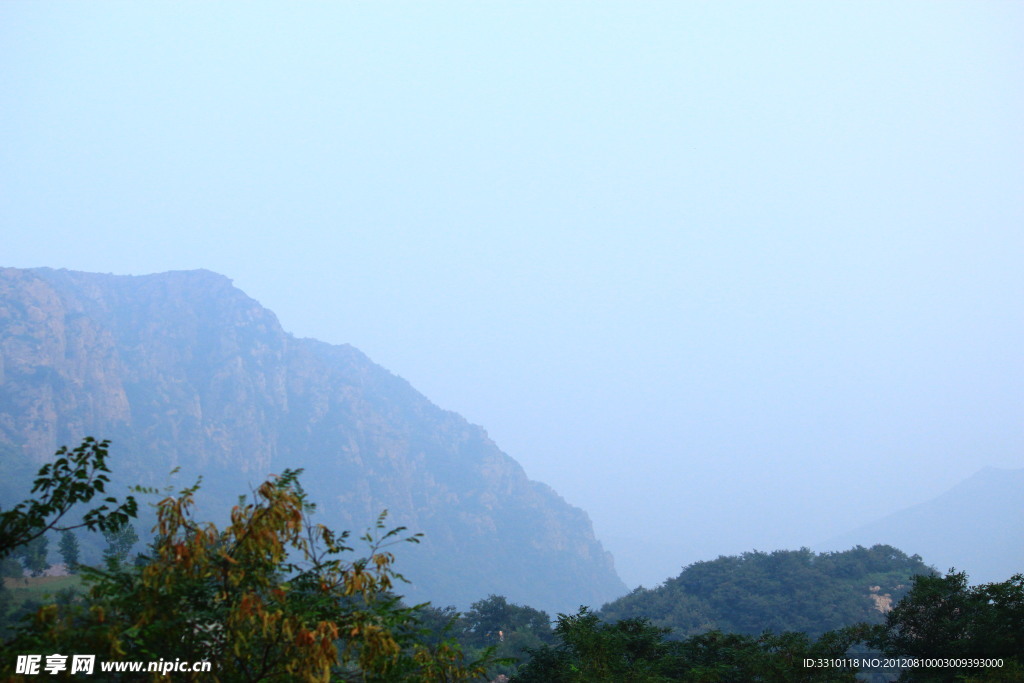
240	583
785	590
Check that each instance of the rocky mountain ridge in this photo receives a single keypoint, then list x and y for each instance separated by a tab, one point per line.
183	370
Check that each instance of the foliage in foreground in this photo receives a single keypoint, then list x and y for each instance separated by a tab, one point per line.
507	630
636	650
75	477
269	597
970	634
944	618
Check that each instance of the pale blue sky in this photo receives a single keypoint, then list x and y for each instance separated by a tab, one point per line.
726	275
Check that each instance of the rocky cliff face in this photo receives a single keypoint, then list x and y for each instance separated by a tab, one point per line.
183	370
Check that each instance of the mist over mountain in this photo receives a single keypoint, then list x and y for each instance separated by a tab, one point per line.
976	526
181	369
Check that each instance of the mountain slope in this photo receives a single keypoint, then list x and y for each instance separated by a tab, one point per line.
184	370
977	526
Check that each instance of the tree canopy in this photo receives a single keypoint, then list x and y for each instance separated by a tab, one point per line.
270	596
75	477
785	590
636	650
945	618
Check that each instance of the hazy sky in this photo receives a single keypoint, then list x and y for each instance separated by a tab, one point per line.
725	275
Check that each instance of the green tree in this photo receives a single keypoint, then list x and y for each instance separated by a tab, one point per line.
487	620
588	650
69	549
119	543
11	567
944	617
271	596
505	629
636	650
5	607
34	554
494	620
769	657
74	477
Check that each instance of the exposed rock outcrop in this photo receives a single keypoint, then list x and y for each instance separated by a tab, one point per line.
184	370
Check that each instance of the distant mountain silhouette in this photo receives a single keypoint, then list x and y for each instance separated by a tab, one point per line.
184	370
977	526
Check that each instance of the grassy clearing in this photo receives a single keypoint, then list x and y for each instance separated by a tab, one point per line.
38	587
